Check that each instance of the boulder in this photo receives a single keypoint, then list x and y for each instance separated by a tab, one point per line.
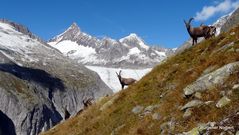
198	95
156	116
137	109
199	130
114	132
235	87
109	103
149	110
193	103
223	48
209	102
215	78
187	113
223	102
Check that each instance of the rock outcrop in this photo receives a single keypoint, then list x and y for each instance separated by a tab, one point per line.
223	102
232	21
212	79
193	103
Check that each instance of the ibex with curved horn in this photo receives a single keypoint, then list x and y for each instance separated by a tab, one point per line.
125	81
201	31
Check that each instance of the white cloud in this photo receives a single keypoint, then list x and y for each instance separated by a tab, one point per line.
221	7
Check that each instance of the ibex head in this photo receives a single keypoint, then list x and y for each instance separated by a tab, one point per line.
87	102
118	75
187	24
213	30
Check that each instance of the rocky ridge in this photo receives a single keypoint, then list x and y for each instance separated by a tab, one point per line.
128	52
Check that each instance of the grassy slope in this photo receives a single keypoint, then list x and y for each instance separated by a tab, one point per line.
168	79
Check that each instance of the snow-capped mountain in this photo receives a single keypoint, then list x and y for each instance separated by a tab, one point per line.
74	34
134	41
128	52
232	21
220	22
38	83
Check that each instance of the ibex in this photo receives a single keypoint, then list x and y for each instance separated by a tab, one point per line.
202	31
125	81
86	103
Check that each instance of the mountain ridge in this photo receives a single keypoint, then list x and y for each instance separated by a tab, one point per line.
127	52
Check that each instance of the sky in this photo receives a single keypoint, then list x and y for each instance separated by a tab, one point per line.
157	22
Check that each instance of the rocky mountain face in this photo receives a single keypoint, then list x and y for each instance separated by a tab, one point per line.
22	29
38	83
195	92
223	24
128	52
232	21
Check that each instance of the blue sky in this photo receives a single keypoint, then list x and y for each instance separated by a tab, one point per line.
158	22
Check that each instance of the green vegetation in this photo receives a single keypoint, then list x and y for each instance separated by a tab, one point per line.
163	86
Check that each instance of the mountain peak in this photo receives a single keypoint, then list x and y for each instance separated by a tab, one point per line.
134	40
74	26
133	35
73	30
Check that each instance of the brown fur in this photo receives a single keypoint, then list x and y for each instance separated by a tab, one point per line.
125	81
201	31
213	31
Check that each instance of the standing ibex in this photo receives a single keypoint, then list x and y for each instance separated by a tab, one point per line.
202	31
125	81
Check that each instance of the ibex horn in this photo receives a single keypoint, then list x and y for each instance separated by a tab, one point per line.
190	20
